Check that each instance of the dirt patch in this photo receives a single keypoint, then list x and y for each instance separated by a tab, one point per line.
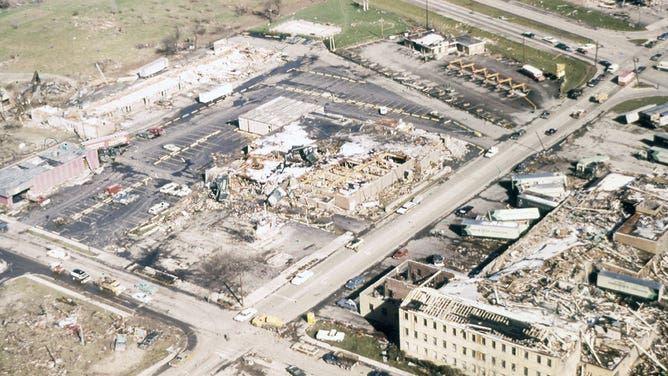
301	27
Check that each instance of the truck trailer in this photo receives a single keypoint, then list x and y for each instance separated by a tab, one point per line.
215	93
533	72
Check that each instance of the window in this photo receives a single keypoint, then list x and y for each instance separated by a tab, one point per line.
424	322
405	315
414	318
537	373
483	341
434	324
549	362
463	334
512	351
493	361
512	367
415	334
454	347
503	347
473	337
370	307
424	337
464	350
445	329
493	344
473	354
406	331
482	356
526	371
526	355
538	359
445	345
503	364
454	331
435	341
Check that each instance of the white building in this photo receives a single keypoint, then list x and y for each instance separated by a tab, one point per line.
481	339
275	114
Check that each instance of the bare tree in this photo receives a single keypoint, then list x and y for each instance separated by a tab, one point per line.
170	44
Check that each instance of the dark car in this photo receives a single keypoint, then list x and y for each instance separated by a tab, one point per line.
593	82
521	167
650	43
356	282
149	340
581	50
545	115
656	57
518	133
463	210
641	69
295	371
437	260
663	36
563	46
551	131
528	34
575	93
605	63
378	373
348	304
4	226
330	358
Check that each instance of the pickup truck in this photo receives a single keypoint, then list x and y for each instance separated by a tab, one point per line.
110	284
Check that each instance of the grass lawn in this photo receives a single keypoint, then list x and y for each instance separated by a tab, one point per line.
585	15
68	37
356	26
637	103
522	21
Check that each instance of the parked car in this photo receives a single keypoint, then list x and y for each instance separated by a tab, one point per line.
663	36
348	304
650	43
521	167
463	210
517	134
400	253
355	282
171	147
158	208
150	339
4	226
656	57
330	358
354	244
593	82
641	69
563	46
545	115
605	63
528	34
245	315
301	277
551	131
80	276
378	373
575	93
437	260
581	50
295	371
179	359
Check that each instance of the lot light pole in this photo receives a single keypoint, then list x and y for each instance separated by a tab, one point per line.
635	69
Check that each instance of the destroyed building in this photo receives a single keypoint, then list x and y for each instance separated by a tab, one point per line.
275	114
482	339
380	302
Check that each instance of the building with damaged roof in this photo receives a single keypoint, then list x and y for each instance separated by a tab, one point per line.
40	175
482	339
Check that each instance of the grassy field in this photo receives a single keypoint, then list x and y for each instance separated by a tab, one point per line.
637	103
587	16
522	21
577	72
68	37
356	26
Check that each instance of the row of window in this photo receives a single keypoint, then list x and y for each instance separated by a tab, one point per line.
476	355
479	340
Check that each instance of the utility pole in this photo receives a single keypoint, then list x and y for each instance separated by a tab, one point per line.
241	289
427	13
541	141
635	69
524	52
596	55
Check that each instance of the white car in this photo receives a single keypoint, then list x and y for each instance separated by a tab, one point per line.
245	315
302	277
550	39
79	276
58	253
171	147
141	296
158	208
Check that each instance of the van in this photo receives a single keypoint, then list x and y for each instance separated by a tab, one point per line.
356	282
662	65
612	68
